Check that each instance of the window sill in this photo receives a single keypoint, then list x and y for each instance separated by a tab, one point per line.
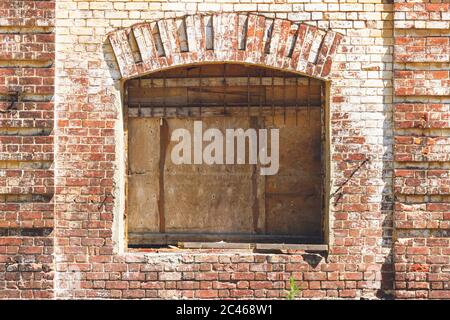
255	246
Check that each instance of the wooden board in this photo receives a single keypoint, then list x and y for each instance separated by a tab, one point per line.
208	198
232	95
294	195
143	174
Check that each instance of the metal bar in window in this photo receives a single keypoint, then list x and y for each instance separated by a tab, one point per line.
212	111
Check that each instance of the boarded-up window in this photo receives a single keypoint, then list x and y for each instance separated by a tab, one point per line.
169	203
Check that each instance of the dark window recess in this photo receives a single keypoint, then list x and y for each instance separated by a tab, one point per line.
169	204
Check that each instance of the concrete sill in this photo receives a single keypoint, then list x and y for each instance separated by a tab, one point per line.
253	246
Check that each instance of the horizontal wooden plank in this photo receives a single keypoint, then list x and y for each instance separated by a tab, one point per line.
229	95
242	111
221	81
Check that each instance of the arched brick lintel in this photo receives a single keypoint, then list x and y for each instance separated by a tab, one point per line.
224	37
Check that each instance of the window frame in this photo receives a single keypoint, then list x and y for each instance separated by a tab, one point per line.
326	184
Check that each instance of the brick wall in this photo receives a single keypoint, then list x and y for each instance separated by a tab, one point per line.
26	148
422	84
388	224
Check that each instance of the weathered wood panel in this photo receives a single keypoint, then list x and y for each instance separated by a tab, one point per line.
208	198
294	195
232	95
143	174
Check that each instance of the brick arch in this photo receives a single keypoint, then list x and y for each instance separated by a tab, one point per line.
224	37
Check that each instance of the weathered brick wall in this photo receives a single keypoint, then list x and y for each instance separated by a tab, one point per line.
422	188
392	213
26	148
89	164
